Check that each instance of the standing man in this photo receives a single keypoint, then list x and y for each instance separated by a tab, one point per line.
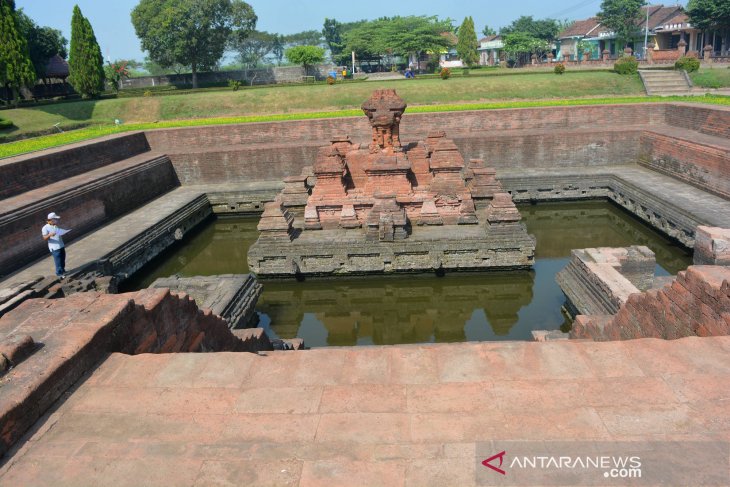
52	234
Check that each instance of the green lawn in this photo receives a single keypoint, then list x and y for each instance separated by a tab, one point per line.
718	77
302	98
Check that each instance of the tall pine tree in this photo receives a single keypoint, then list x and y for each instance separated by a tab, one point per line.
16	68
86	65
467	45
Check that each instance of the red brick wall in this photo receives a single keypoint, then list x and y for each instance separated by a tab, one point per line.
413	126
260	162
24	173
707	120
553	148
704	166
530	137
695	304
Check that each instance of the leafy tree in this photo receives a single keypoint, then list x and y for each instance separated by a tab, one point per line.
85	63
521	45
191	32
468	44
16	68
278	49
332	33
115	72
398	36
488	31
709	14
43	42
305	55
621	17
545	29
304	38
252	49
154	69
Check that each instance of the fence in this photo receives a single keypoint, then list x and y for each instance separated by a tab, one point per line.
259	76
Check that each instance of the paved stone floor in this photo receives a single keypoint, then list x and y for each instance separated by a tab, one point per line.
402	415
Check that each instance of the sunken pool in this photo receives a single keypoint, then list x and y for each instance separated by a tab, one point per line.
416	309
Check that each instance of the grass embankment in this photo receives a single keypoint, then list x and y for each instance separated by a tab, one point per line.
299	102
302	98
711	77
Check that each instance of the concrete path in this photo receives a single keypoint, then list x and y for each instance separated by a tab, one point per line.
403	415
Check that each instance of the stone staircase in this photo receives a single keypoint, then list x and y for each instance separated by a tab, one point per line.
665	82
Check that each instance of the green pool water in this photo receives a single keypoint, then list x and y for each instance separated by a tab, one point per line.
416	309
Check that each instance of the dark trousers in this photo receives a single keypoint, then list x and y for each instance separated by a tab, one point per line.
59	258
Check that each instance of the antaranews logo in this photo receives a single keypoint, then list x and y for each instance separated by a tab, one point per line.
488	462
585	463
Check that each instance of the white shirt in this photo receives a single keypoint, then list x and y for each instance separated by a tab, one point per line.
56	242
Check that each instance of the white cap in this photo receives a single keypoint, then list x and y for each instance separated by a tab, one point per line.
53	216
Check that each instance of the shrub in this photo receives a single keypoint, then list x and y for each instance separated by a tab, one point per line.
5	124
147	93
432	66
330	80
465	72
445	73
688	64
234	84
626	65
559	68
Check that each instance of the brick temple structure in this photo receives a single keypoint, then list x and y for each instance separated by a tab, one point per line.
445	214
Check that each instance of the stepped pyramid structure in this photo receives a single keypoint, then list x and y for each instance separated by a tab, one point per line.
385	207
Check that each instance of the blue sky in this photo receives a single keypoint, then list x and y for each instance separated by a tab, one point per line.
113	27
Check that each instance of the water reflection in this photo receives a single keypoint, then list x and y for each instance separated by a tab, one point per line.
410	309
398	310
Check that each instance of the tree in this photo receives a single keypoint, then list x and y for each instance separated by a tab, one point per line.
115	72
398	36
621	16
253	48
709	14
191	32
16	68
85	63
278	49
332	33
468	44
545	29
304	38
488	31
305	55
43	42
521	45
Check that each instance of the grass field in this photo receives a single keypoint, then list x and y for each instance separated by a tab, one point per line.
718	77
297	99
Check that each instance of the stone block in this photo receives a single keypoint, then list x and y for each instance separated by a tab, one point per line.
17	348
712	246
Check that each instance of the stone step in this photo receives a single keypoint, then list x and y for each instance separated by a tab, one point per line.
85	202
665	84
670	92
672	74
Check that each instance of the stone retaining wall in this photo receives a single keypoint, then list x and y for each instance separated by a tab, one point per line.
24	173
262	76
702	165
599	281
86	327
697	303
710	120
88	206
